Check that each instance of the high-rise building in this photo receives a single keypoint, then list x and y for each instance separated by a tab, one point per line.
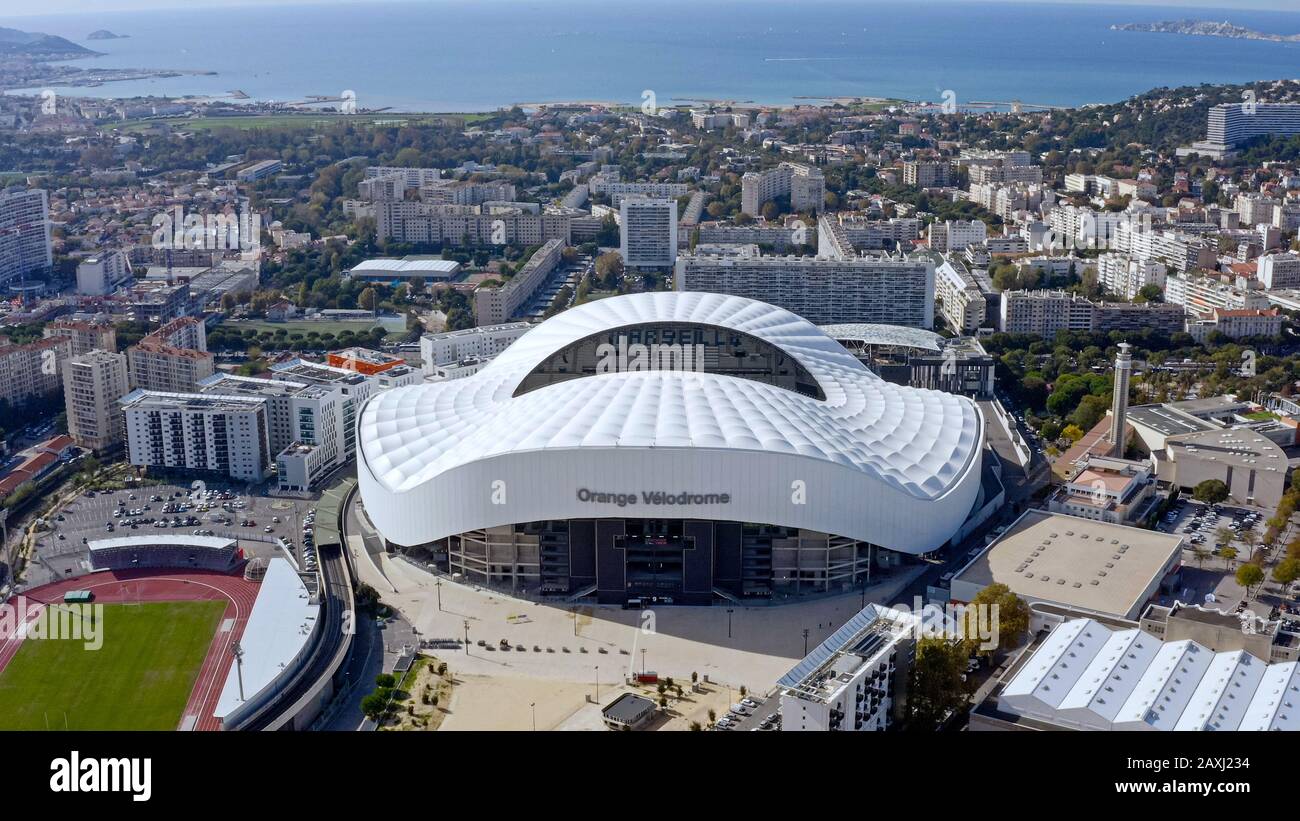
803	184
25	244
223	435
92	385
84	336
173	358
925	174
894	290
103	273
1233	123
648	232
32	371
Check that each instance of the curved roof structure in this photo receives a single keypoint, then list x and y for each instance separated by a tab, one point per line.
866	438
874	333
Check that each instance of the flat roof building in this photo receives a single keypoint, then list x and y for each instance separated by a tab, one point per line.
1083	564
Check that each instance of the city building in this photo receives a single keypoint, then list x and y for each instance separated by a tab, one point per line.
1096	674
103	273
926	174
93	383
723	446
628	712
25	241
172	359
497	304
1046	312
260	171
894	290
429	269
1108	489
1253	467
856	680
804	185
31	371
1083	564
958	297
84	336
363	360
1279	270
477	344
1237	324
193	433
648	232
954	235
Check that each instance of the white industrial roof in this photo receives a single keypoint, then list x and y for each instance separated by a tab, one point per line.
407	266
918	441
277	630
1086	673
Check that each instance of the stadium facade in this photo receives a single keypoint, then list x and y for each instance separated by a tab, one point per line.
675	446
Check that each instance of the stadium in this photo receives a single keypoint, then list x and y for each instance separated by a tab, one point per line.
676	446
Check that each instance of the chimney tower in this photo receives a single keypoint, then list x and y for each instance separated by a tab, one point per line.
1119	406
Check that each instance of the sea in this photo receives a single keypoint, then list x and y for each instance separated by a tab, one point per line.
467	55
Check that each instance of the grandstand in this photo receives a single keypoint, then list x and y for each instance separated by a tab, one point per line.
189	552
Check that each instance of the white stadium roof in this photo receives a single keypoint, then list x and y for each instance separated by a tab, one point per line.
1091	676
406	267
867	435
874	333
208	542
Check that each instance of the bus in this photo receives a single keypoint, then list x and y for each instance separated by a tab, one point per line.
78	597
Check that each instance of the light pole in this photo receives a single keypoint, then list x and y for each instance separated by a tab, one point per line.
729	612
533	706
643	661
467	637
805	641
438	584
597	683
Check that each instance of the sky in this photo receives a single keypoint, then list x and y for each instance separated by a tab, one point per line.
19	8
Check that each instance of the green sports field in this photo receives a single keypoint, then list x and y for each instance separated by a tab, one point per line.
140	679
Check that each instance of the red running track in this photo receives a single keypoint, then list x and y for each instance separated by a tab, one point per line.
116	586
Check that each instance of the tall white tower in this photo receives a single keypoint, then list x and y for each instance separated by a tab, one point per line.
1119	406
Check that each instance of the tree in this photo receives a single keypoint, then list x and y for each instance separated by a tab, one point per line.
1072	432
609	270
1224	536
1286	571
1249	575
385	680
1211	491
1229	554
373	706
366	301
936	689
1012	619
1200	554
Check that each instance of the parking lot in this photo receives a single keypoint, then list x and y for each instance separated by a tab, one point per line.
1199	524
751	713
170	509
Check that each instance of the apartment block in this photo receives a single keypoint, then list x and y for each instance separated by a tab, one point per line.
495	305
803	184
93	384
648	232
890	290
31	371
220	435
25	241
84	336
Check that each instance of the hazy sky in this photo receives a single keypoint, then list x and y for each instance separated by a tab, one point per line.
88	8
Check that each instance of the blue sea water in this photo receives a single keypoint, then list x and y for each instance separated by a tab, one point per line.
465	55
